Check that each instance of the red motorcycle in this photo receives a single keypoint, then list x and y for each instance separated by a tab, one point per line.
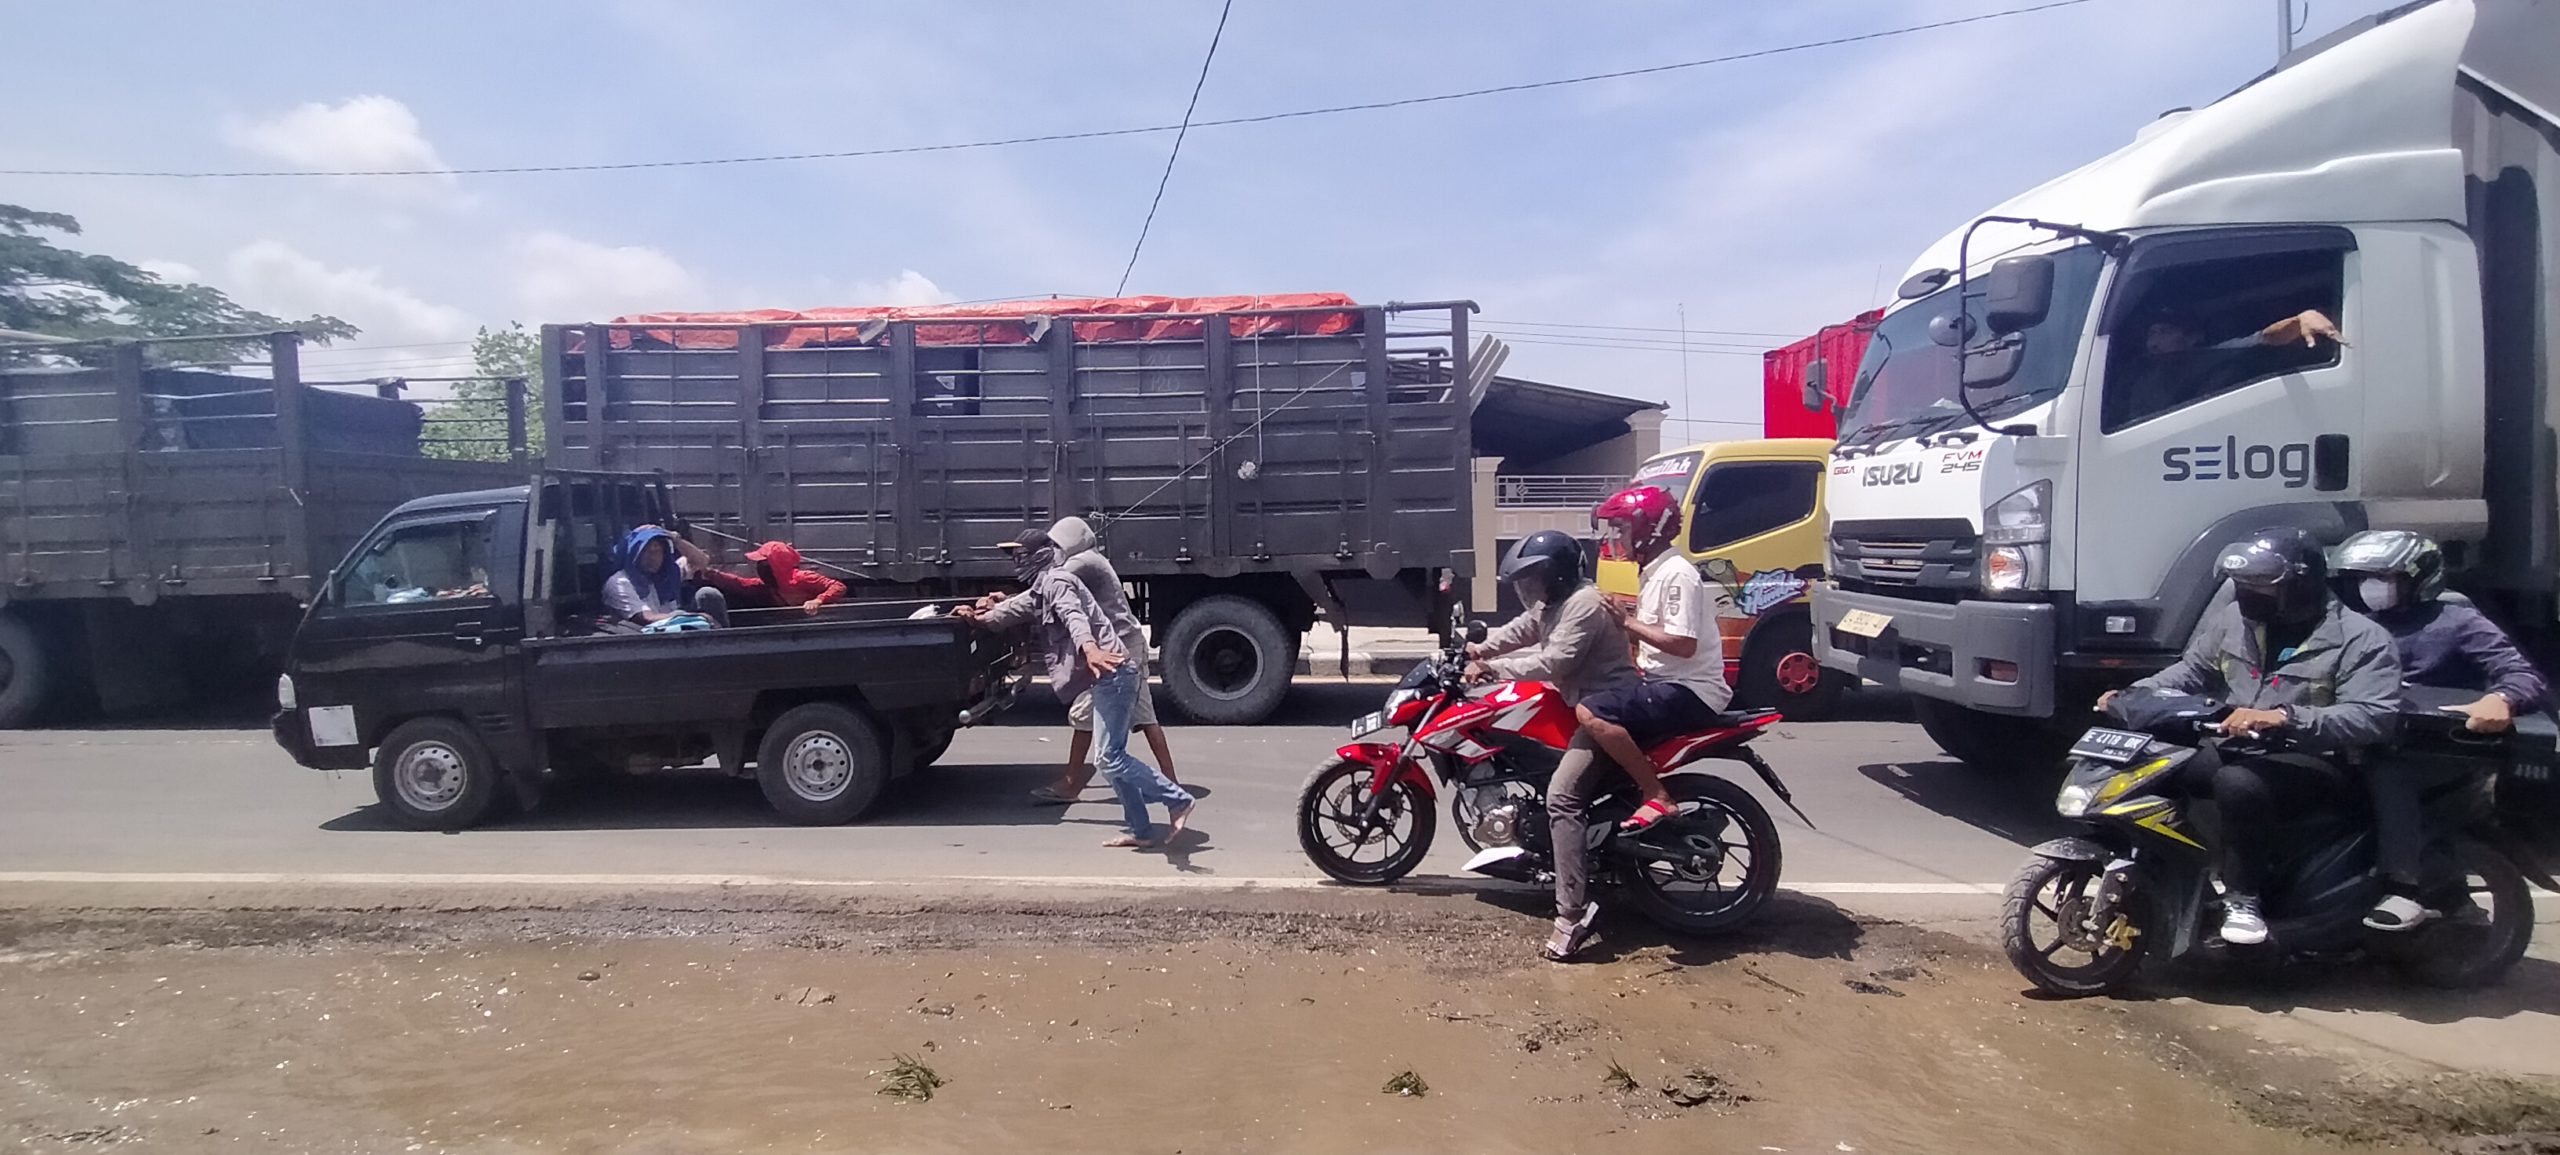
1368	814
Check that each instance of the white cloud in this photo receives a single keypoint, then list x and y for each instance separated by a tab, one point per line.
361	132
562	278
909	287
174	272
274	277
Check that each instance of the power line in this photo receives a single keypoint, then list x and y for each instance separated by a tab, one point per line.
1176	153
1048	138
1639	329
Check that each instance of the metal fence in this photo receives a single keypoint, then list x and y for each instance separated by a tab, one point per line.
1554	491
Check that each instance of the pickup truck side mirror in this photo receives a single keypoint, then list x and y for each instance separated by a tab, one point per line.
1476	633
1817	376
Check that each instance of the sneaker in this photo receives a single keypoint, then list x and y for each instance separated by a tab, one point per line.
2398	913
2242	925
1571	935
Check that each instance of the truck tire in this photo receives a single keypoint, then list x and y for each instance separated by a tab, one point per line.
1995	743
26	674
1779	672
1227	661
435	774
822	764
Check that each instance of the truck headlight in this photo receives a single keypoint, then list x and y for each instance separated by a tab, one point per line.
2014	532
284	692
2022	518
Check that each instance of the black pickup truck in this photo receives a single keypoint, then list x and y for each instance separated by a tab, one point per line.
446	652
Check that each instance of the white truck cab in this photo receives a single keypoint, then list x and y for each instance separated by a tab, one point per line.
2086	393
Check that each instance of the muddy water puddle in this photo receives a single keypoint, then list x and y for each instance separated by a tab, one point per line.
665	1046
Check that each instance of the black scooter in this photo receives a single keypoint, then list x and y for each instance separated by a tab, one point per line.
2085	912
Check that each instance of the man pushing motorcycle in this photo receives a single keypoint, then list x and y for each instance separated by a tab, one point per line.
1565	636
2287	658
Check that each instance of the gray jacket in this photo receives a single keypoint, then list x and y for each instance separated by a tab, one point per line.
2342	683
1065	618
1573	644
1076	545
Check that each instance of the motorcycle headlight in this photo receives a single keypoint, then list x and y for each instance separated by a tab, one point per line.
2074	800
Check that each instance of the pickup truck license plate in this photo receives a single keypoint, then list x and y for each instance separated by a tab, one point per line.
1369	724
2116	747
1865	623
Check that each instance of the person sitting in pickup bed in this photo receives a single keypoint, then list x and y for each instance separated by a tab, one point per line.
779	583
649	588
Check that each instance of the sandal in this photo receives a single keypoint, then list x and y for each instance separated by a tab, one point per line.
2398	913
1049	796
1571	935
1646	815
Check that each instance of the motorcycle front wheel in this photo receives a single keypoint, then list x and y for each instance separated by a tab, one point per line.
1331	809
2049	912
1720	885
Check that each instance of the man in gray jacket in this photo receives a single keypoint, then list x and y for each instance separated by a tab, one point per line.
1568	638
1080	556
2287	658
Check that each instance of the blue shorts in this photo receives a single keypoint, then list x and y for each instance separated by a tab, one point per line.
1651	711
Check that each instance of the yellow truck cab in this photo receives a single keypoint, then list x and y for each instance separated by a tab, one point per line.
1751	520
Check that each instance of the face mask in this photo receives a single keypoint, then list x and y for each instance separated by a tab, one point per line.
2378	594
1030	563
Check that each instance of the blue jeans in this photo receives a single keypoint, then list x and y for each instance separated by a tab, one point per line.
1137	784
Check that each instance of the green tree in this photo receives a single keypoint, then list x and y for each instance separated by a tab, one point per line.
52	291
473	426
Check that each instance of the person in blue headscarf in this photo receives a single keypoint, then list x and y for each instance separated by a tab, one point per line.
649	588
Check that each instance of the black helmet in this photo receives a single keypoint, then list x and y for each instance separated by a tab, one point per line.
2281	575
1552	558
2395	553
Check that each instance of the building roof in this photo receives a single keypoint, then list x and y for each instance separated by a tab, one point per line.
1521	418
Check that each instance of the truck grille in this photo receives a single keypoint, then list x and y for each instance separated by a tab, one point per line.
1936	554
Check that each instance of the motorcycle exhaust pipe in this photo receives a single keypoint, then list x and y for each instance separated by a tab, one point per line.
1508	863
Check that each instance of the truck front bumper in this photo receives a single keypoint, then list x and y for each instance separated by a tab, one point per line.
1997	657
292	734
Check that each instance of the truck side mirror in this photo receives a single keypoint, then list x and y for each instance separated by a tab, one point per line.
1817	398
1475	633
2017	293
1992	363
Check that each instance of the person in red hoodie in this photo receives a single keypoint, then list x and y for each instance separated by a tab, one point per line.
779	583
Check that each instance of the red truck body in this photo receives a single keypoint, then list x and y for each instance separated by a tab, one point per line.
1782	377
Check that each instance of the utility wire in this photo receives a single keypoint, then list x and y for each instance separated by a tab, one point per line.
1045	138
1176	153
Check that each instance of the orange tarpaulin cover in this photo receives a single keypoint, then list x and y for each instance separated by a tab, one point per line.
1004	322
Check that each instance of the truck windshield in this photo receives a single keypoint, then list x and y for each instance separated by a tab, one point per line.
1906	384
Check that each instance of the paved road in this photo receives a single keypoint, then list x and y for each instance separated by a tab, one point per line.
1904	832
1892	813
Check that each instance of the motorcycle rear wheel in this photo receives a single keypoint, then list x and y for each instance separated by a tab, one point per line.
2058	889
2468	948
1713	906
1329	810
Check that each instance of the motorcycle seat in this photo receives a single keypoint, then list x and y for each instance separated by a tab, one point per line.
1736	719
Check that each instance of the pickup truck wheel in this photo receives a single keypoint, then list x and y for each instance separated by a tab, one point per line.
1779	672
26	674
435	774
1227	661
822	764
1995	743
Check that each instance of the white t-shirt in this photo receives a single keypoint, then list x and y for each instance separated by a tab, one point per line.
627	598
1674	601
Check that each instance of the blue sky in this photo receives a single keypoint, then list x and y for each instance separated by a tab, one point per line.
1766	197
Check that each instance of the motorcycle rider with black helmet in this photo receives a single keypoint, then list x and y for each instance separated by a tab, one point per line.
2396	578
1565	636
2286	657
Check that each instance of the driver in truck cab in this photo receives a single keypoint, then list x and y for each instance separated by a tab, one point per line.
1566	636
2290	660
2178	364
2397	578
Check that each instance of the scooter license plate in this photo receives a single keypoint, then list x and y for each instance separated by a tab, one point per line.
1369	724
2115	747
